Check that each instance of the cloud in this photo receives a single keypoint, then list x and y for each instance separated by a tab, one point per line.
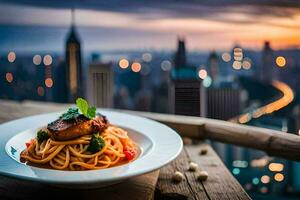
130	24
174	8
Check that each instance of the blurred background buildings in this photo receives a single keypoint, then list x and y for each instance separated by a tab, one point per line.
256	86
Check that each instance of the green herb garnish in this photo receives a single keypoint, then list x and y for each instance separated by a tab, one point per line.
72	113
41	136
96	144
86	110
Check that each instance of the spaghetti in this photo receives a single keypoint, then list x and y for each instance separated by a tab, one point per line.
74	154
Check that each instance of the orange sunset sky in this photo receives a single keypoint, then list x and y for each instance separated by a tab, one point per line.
213	29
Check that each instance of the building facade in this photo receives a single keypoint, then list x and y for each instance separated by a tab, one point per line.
100	84
74	66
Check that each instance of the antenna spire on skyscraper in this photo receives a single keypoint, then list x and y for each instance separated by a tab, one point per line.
73	62
73	17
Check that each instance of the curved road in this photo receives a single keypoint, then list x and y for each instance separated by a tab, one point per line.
287	97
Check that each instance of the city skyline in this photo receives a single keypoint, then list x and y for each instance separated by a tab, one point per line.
219	29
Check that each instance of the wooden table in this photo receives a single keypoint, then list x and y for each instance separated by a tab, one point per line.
155	185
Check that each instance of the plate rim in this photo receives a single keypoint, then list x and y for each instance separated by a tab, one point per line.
127	174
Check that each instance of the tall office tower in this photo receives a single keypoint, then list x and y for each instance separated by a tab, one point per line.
213	68
268	70
180	55
73	62
223	103
100	84
186	93
189	98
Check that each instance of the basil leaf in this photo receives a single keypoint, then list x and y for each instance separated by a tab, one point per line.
83	106
91	113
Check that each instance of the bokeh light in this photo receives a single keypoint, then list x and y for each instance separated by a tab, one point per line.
9	77
207	82
279	177
47	60
123	63
49	82
41	91
237	65
226	57
238	54
244	118
255	181
236	171
136	67
166	65
247	63
147	57
276	167
202	73
240	163
280	61
264	190
37	59
11	57
248	186
265	179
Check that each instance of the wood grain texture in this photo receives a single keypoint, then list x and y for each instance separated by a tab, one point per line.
138	188
189	188
220	185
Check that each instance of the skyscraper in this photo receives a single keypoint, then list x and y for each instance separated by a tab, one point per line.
268	70
100	85
180	56
73	62
223	103
189	98
213	68
186	93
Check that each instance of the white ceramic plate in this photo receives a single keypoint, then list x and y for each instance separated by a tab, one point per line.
159	145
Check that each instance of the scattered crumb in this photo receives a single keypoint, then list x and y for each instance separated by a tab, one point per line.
202	175
178	176
203	151
193	166
187	141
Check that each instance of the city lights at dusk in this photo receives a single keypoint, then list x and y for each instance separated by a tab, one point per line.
189	99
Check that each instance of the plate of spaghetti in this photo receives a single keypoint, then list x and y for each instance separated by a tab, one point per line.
85	147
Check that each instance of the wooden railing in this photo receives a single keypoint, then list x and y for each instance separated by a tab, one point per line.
274	143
